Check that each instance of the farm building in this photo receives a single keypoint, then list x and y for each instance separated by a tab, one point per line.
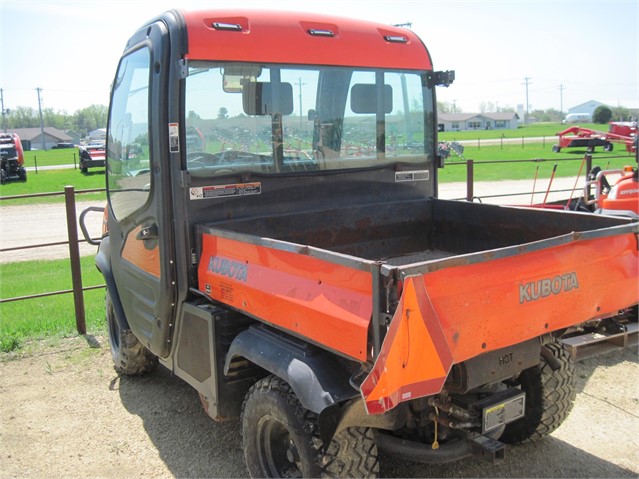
588	107
32	137
477	121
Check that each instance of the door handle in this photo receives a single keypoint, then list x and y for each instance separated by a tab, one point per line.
147	233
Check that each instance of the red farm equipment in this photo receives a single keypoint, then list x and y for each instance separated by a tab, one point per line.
618	132
11	158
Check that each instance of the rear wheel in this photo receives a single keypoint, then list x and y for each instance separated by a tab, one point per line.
549	396
130	357
281	439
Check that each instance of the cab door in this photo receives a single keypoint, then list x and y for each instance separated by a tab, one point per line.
138	185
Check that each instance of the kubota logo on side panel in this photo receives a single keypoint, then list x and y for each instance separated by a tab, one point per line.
227	267
543	288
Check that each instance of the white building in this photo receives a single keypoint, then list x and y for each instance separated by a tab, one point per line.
477	121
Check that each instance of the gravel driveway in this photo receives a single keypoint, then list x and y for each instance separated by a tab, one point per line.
64	412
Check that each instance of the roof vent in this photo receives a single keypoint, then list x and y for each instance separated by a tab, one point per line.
320	33
395	39
233	27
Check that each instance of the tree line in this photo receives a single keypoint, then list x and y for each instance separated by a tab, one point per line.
82	121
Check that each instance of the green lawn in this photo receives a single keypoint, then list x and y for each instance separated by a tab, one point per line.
48	181
38	158
49	315
548	130
535	155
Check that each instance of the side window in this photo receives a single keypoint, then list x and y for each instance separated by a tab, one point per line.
128	159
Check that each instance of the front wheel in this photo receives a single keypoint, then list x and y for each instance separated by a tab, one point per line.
281	439
130	357
550	394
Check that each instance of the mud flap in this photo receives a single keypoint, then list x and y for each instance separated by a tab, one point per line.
415	358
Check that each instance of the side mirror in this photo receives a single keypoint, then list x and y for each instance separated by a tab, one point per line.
443	78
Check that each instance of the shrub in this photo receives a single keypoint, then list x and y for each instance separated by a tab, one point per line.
602	115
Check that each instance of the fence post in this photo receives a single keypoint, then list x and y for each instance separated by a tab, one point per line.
74	257
35	161
470	179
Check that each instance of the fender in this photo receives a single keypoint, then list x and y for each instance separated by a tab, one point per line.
317	377
103	263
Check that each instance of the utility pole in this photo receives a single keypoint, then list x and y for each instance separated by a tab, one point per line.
561	101
44	147
300	84
526	82
4	112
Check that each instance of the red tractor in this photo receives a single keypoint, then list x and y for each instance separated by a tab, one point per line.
12	158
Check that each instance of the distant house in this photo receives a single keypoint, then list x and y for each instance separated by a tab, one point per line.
32	137
477	121
99	134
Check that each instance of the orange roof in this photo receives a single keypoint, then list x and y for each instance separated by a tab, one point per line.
301	38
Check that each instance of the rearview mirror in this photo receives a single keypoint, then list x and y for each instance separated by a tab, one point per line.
364	98
265	98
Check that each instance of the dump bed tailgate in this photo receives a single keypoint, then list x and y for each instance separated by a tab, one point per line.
455	309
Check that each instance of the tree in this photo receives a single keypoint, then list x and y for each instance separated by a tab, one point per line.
602	115
222	113
621	113
23	117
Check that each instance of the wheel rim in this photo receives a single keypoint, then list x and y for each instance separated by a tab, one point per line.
277	451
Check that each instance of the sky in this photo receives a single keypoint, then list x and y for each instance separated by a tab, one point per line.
568	51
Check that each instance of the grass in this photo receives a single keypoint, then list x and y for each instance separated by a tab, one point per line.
39	158
542	157
46	181
33	318
548	130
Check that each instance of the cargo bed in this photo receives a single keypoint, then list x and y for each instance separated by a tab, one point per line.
315	273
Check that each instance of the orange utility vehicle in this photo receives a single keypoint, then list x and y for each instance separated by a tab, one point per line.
297	267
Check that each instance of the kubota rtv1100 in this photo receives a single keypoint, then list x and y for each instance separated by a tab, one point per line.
295	266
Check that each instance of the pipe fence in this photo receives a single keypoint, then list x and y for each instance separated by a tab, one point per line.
74	254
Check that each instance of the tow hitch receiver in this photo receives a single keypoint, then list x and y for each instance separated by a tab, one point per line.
488	449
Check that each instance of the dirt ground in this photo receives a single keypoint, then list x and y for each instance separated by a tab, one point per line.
64	412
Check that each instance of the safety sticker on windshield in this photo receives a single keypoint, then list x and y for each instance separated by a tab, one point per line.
418	175
225	191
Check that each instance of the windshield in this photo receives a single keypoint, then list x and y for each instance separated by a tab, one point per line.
274	119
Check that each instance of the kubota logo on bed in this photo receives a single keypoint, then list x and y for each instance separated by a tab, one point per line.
227	267
543	288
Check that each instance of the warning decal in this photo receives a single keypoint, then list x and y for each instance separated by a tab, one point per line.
224	191
174	138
